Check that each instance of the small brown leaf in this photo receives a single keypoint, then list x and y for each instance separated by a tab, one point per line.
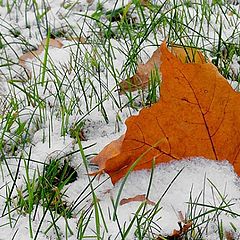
89	2
57	43
144	3
141	78
177	234
138	198
32	54
229	235
81	39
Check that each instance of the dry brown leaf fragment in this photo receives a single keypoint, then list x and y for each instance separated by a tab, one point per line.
141	79
198	114
229	235
183	229
89	2
32	54
56	42
80	39
144	3
137	198
178	234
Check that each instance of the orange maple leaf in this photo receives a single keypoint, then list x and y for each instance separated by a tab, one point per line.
198	114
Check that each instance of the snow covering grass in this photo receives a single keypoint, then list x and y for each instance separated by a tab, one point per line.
63	106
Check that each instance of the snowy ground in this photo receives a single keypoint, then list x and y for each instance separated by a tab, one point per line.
201	181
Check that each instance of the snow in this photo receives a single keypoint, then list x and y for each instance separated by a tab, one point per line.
200	181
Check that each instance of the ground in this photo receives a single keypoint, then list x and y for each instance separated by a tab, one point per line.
61	64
